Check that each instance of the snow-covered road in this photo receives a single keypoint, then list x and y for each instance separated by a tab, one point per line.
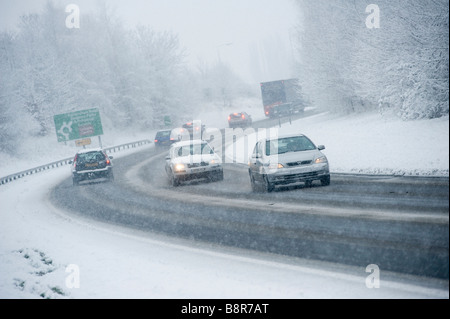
47	253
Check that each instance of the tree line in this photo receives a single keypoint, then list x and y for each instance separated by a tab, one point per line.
400	66
137	76
134	76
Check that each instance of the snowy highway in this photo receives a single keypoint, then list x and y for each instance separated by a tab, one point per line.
327	130
397	223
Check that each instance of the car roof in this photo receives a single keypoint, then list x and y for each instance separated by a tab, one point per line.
189	142
281	136
163	131
88	150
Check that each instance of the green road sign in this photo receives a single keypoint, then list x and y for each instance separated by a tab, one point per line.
167	120
78	125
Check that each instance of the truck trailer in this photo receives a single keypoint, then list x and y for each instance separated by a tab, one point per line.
282	98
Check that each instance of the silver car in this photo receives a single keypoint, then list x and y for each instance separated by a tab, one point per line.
191	160
287	160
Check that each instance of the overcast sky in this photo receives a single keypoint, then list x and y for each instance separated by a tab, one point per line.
253	36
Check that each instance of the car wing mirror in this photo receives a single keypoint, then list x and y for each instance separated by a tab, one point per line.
321	147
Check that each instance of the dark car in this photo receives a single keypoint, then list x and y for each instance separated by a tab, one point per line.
91	164
164	138
241	119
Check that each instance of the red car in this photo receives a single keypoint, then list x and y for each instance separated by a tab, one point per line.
241	119
195	129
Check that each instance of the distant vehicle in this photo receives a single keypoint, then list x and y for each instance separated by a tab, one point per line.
191	160
241	119
195	129
91	164
164	138
282	98
285	161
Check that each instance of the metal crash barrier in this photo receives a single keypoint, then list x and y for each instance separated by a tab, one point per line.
113	149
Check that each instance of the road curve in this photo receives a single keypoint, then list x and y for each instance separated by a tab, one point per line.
400	224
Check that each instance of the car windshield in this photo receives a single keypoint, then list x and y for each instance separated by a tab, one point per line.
90	157
193	149
289	144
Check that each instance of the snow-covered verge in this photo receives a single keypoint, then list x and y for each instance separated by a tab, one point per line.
370	144
45	253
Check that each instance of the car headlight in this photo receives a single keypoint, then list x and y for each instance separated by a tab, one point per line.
275	166
320	160
179	167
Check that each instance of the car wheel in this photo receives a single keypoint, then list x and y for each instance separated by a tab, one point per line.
253	183
219	176
75	182
269	187
174	181
308	183
111	176
325	181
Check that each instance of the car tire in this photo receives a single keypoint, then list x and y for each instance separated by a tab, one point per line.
255	187
268	186
325	181
111	176
75	182
174	181
215	176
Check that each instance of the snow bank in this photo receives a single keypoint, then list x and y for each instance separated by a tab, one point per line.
371	144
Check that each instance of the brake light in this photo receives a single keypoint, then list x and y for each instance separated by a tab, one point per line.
108	161
243	116
229	117
156	141
267	112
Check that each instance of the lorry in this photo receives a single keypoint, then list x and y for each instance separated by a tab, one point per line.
282	98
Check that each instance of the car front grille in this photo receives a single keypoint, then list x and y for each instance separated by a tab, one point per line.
291	164
293	178
192	165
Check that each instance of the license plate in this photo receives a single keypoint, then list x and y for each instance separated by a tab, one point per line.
91	164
